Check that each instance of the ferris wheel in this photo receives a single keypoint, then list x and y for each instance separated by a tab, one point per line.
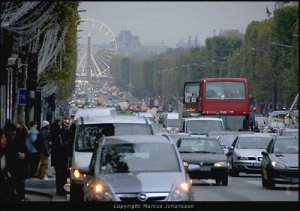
96	48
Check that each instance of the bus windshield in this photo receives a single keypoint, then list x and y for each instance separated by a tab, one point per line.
225	90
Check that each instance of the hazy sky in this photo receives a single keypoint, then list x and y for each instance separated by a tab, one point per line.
168	22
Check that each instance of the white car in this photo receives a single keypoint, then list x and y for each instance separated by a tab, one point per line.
245	153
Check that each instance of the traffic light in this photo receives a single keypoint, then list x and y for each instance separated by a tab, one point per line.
32	71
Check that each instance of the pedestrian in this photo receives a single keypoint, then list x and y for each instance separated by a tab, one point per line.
17	153
43	146
33	157
6	183
59	158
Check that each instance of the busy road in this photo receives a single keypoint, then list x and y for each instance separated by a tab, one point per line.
246	188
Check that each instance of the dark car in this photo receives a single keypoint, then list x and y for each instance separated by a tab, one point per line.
205	158
280	162
139	168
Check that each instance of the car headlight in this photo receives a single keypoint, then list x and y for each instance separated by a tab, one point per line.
77	175
101	192
220	164
278	165
180	192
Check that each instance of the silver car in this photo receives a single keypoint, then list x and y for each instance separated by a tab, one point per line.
136	169
245	153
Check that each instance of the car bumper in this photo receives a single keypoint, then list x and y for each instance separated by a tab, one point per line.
286	176
248	167
209	172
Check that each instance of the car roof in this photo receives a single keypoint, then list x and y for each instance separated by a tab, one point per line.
113	119
224	133
203	118
95	112
282	138
255	135
199	138
137	139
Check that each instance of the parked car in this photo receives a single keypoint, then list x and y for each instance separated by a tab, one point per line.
280	162
205	158
245	153
89	130
136	169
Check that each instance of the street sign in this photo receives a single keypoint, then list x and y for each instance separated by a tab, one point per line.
22	96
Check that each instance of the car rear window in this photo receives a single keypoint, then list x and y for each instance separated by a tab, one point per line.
139	157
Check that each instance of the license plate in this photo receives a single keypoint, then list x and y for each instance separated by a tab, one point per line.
204	168
294	180
256	164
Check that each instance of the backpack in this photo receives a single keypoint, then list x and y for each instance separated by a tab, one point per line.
39	143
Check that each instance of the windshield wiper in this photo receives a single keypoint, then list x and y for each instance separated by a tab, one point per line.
186	152
205	152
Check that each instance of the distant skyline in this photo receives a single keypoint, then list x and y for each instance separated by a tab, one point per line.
169	22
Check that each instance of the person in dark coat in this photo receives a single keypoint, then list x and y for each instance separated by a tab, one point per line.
16	152
44	140
6	183
59	158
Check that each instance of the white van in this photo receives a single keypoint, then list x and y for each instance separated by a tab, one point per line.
201	125
95	112
171	122
89	131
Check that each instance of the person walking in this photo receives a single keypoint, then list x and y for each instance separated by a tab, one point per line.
17	153
33	158
6	183
43	146
59	158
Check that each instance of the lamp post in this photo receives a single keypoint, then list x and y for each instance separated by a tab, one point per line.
277	85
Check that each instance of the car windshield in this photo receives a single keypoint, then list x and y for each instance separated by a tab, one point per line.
226	140
139	157
199	146
89	135
286	146
203	126
253	142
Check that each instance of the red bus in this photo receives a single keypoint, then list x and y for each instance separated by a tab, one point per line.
227	98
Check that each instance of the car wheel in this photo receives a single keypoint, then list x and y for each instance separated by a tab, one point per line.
76	193
218	181
234	171
267	183
225	181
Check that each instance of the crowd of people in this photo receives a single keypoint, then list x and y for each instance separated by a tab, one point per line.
25	153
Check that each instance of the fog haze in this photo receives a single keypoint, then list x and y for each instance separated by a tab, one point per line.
168	22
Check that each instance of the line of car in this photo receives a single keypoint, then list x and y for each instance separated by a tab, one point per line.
139	169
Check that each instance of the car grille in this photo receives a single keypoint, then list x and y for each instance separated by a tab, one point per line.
138	197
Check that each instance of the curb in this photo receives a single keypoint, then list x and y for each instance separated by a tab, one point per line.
34	192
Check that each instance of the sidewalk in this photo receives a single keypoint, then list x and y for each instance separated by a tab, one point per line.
44	188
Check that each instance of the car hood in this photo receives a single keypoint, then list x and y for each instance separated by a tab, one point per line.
290	160
142	182
204	157
81	159
249	152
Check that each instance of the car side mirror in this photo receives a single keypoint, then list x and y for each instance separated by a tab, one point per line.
264	153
